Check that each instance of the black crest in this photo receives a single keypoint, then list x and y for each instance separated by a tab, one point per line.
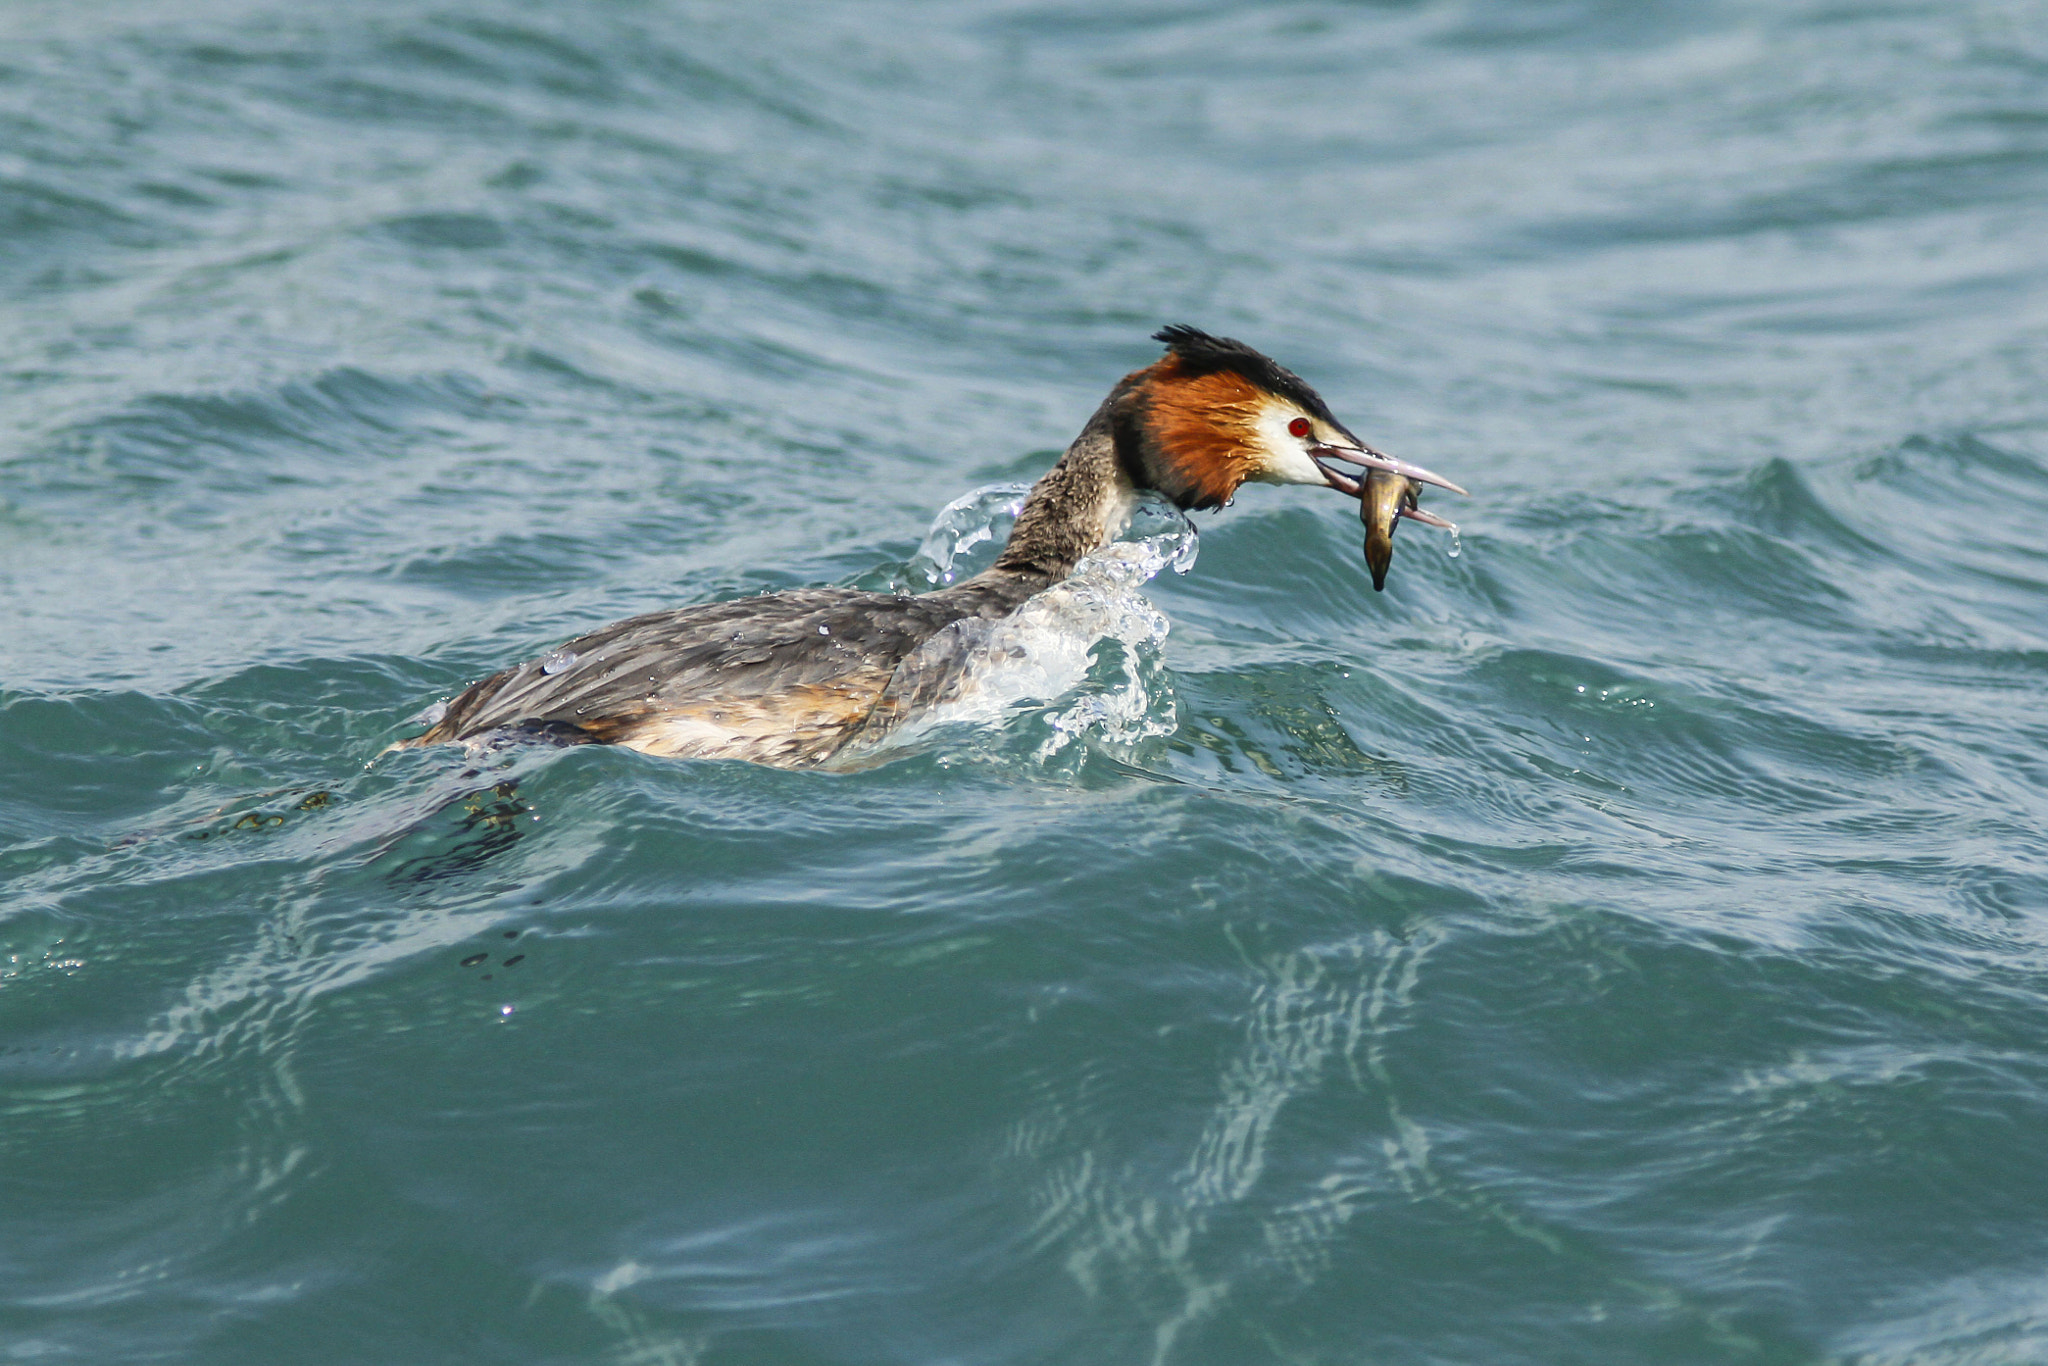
1205	355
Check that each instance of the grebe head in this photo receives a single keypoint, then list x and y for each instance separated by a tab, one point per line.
1213	414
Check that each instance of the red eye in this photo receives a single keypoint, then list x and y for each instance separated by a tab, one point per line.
1298	427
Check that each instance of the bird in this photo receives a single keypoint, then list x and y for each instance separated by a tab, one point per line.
793	679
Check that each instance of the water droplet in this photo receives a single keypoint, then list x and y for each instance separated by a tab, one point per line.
557	661
824	630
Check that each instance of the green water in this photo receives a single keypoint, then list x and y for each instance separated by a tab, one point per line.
1624	942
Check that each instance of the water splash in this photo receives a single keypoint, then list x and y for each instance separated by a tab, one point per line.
981	516
1155	521
1088	645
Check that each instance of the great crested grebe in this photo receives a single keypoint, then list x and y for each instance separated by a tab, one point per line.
793	678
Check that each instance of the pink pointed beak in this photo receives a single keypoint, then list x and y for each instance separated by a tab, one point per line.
1369	459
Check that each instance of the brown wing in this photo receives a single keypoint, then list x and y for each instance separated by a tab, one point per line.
930	675
776	679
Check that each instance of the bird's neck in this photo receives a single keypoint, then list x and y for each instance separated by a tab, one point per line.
1077	507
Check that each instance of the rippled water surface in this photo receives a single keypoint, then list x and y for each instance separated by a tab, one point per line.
1624	942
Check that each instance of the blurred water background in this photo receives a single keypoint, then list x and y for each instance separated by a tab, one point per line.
1625	942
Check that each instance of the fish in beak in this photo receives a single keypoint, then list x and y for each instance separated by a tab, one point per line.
1386	490
1379	507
